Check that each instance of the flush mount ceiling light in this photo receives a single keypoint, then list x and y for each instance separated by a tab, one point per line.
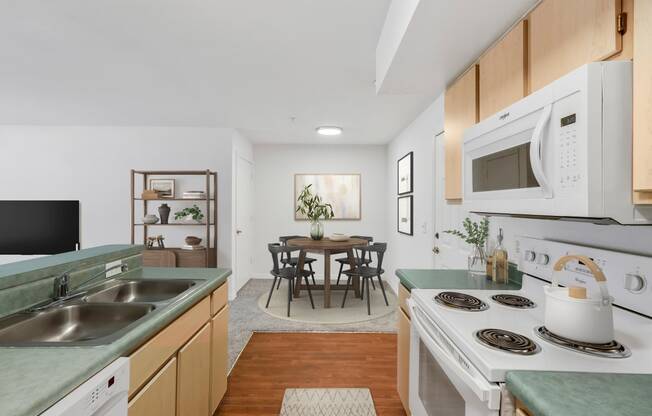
329	130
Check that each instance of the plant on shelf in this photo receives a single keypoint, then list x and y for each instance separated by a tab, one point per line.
189	214
314	209
476	235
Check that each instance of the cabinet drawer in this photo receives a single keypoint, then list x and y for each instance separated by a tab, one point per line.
403	296
151	356
219	298
158	397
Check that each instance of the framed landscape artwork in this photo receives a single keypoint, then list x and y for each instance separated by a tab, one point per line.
404	173
404	215
164	186
342	191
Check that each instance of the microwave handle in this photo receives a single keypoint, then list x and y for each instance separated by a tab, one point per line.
535	151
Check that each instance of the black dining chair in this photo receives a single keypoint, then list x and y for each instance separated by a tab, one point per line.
367	273
288	273
288	260
344	261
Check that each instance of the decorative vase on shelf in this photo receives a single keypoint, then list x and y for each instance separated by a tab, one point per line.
316	230
164	213
477	261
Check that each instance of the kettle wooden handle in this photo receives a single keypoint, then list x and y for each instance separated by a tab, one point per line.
590	264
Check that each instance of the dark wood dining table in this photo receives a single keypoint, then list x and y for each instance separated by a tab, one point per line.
327	247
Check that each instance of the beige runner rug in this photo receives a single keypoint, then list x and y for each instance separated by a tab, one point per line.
327	402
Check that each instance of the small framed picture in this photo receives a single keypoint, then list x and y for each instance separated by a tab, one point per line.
404	215
404	173
165	187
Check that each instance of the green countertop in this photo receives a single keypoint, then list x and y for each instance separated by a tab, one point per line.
35	378
451	279
579	394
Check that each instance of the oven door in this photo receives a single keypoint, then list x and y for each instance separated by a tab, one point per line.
442	381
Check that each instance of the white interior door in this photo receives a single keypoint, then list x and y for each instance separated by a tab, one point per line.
244	222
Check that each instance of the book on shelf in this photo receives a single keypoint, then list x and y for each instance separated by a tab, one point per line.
194	195
189	247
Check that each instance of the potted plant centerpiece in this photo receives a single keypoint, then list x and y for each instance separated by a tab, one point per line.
476	235
314	209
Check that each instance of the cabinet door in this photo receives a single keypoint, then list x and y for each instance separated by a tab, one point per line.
566	34
219	357
642	162
193	376
403	357
503	72
460	113
158	397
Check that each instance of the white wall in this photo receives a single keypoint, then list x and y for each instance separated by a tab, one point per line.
92	164
415	252
274	211
419	137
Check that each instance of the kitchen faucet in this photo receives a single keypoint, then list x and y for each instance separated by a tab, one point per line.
61	290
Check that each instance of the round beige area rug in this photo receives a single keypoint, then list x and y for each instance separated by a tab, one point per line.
355	309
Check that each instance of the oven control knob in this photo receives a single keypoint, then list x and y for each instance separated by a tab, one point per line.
530	255
543	259
634	283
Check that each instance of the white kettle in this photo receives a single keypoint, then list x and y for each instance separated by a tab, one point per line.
587	320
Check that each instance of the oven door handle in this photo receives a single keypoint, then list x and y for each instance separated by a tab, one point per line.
481	387
536	151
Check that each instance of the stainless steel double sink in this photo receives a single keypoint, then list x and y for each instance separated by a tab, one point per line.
100	316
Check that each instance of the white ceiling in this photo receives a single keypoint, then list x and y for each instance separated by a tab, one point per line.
275	69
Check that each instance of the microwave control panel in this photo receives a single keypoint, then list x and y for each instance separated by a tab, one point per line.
569	172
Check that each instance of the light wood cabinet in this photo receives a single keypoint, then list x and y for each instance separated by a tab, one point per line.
642	162
403	360
193	375
503	72
566	34
460	113
219	357
158	397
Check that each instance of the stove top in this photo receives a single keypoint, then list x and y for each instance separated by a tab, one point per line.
475	333
507	341
456	300
515	301
613	349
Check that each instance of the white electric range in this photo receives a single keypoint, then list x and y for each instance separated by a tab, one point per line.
464	342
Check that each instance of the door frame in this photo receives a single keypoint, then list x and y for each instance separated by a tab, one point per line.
237	158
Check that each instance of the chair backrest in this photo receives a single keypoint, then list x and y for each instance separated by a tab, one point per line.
378	248
367	238
284	241
275	249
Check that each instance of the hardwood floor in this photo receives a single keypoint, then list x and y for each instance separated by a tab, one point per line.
272	362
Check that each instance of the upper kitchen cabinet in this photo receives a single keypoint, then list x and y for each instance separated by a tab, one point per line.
642	163
565	34
460	112
503	72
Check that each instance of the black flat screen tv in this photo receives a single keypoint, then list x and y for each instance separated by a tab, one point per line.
39	227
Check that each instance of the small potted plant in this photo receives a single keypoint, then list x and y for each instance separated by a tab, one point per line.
476	235
314	209
190	214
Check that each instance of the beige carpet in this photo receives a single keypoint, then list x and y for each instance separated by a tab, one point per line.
327	402
355	309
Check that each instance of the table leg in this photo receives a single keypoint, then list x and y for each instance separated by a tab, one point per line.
356	279
300	264
327	279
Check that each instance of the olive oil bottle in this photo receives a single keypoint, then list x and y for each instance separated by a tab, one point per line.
499	265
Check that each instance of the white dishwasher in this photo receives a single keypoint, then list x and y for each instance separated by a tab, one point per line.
104	394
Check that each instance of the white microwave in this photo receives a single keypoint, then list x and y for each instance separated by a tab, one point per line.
563	152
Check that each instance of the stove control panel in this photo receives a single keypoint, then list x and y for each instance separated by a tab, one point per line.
627	274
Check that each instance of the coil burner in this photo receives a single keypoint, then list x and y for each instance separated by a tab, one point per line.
461	301
613	349
507	341
514	301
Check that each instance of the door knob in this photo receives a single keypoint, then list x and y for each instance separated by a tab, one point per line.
435	250
238	231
